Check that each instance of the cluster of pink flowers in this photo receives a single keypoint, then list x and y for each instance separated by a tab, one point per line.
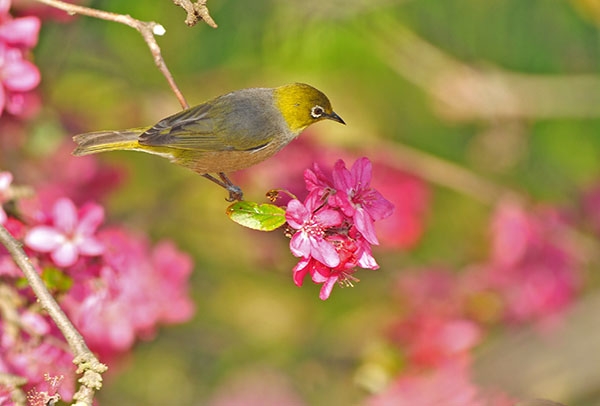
18	76
113	285
408	193
532	275
333	228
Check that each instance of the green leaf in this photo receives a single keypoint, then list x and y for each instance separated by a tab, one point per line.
262	217
56	279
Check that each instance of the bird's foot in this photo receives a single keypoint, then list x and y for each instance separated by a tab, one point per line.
235	192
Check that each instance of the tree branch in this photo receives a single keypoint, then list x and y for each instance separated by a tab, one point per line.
148	29
195	12
86	361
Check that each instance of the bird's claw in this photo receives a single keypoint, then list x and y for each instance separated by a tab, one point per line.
235	193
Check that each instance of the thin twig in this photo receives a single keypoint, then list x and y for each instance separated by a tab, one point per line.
148	29
85	360
195	12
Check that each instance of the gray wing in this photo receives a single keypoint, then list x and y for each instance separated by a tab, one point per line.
237	121
193	128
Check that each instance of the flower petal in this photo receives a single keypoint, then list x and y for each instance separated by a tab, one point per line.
90	246
324	252
6	179
22	32
328	218
65	255
65	215
342	178
300	245
362	171
20	76
44	238
296	214
327	287
364	224
300	271
90	217
377	205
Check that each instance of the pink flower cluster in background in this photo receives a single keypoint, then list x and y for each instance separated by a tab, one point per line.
333	227
113	285
532	275
18	76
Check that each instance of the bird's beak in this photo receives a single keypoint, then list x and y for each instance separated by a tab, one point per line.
335	117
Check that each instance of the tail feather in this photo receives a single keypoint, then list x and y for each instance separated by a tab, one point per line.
102	141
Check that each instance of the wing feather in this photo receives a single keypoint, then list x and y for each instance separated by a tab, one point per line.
239	121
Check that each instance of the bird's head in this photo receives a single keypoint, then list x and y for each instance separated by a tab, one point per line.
302	105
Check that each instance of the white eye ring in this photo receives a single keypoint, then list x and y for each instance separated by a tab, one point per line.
317	111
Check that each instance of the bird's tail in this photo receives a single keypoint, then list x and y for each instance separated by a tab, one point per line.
102	141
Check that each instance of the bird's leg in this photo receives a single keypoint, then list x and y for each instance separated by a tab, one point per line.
235	192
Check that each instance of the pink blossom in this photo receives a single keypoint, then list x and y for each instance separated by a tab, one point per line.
431	339
357	199
71	233
36	357
5	181
436	291
17	76
335	225
311	221
133	291
46	393
353	251
83	179
20	32
449	385
532	267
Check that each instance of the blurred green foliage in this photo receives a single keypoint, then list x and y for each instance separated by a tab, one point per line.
250	317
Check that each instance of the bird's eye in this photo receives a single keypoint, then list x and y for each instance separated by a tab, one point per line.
317	111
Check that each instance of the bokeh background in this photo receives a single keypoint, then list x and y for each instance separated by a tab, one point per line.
477	101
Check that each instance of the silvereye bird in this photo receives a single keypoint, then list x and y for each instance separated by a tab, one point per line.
225	134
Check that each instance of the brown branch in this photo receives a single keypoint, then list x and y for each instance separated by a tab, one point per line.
85	360
195	12
148	29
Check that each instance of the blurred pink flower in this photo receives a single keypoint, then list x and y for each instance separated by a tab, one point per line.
258	387
71	233
448	385
432	340
532	265
82	179
20	32
17	75
311	221
5	181
130	294
410	197
46	392
34	357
